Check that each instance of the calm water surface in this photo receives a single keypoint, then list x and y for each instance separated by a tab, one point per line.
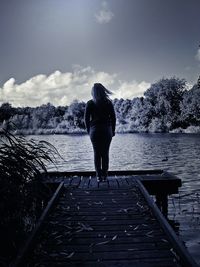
177	153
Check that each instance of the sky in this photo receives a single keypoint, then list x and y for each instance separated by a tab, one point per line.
54	50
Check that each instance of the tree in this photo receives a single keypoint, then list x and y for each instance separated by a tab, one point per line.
165	97
75	114
6	111
190	107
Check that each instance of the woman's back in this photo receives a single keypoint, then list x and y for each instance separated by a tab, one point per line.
101	112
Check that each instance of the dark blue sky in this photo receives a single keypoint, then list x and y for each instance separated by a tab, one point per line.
141	40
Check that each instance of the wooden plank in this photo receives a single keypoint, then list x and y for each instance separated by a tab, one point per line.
125	255
75	181
113	263
122	182
154	180
95	213
89	181
67	181
136	219
127	239
112	183
84	182
131	180
121	193
104	184
93	182
130	225
163	183
110	173
109	246
185	257
30	242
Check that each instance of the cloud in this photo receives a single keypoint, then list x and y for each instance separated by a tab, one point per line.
131	89
104	15
62	88
198	55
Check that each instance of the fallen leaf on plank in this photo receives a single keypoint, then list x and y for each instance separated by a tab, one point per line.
128	234
102	243
150	232
64	253
86	227
54	233
57	237
70	255
66	226
114	237
145	225
98	203
138	204
164	240
90	247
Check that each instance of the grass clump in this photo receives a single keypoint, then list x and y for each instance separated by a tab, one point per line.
22	192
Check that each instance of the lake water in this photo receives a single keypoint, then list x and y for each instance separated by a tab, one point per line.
177	153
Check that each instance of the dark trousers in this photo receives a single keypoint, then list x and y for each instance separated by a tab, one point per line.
101	137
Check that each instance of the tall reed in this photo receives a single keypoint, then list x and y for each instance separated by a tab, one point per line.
22	167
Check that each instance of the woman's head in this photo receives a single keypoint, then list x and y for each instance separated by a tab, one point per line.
100	93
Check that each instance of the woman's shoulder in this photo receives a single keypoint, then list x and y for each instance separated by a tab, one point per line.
90	102
110	102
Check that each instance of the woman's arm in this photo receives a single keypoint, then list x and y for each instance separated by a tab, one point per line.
87	118
113	118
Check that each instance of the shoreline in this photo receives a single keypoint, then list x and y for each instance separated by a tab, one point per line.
189	130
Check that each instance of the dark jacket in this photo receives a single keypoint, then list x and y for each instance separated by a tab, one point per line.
100	114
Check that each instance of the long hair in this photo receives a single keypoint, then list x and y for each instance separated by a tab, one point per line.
100	93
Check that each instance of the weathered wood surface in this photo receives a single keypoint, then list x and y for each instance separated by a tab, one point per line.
23	252
103	224
155	181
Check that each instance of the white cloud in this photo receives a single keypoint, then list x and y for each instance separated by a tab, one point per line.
104	15
62	88
198	55
131	89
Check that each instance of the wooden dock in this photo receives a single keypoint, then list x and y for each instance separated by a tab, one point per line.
114	223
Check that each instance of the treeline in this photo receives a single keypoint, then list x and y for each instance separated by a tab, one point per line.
167	106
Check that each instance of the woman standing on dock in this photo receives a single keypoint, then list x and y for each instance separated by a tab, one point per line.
100	123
